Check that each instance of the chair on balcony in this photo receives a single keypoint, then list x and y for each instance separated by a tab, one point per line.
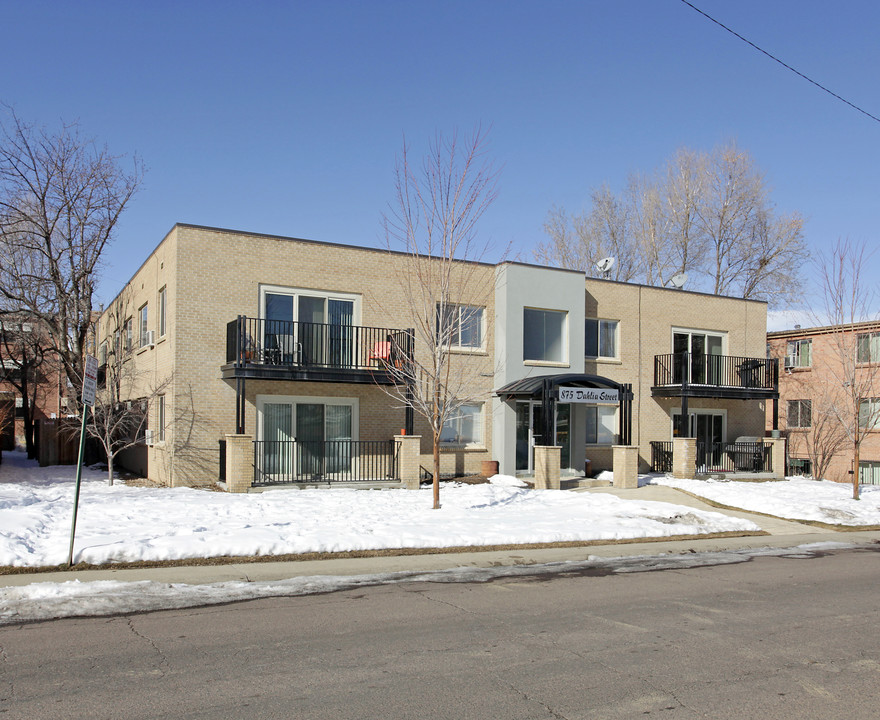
282	350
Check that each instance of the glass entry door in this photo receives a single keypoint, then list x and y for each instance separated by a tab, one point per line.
705	357
312	440
529	421
323	333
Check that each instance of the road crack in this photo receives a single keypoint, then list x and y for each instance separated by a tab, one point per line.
163	660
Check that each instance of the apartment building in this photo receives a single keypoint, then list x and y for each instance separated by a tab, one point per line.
295	342
827	372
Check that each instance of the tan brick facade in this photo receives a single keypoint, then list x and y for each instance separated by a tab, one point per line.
211	276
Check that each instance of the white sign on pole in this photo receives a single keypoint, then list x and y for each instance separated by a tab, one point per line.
592	396
90	381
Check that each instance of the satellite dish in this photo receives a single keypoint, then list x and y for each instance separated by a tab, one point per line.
678	281
604	265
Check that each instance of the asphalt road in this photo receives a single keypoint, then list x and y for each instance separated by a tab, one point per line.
770	638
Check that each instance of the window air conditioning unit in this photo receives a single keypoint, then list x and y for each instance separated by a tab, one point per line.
151	338
790	361
148	438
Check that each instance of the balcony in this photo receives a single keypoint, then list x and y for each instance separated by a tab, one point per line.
715	376
318	352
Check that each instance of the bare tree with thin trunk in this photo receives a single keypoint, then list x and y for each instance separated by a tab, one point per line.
61	197
432	226
848	299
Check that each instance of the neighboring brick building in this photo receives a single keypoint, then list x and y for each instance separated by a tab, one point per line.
46	382
815	392
288	339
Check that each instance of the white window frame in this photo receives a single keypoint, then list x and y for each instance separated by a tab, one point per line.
599	323
296	293
563	361
128	338
794	356
602	440
479	424
160	419
697	331
676	413
872	343
459	309
872	412
872	467
352	402
143	325
163	311
800	411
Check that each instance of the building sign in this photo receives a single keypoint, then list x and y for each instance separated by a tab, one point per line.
592	396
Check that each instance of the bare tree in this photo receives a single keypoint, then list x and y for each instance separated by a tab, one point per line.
119	419
752	253
817	432
433	220
580	241
60	199
707	214
852	365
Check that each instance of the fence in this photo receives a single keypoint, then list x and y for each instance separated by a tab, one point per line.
752	457
661	456
325	461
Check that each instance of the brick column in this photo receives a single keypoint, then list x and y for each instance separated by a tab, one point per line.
777	456
409	457
547	459
626	466
684	458
239	463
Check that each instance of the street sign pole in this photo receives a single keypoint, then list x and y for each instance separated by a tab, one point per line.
89	390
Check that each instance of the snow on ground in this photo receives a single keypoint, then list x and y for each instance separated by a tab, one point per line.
45	601
794	498
123	523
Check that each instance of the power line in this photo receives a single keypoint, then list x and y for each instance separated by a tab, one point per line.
776	59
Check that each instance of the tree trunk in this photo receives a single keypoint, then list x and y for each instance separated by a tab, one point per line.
110	469
855	477
436	484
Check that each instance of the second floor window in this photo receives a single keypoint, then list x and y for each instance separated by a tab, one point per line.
869	414
800	413
868	348
142	326
127	333
798	353
544	335
163	311
600	339
460	326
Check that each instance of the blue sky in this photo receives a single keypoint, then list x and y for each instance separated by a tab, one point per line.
286	117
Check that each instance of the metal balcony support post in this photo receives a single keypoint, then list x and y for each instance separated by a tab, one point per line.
409	419
684	427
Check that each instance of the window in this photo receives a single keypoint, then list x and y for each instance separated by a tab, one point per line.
800	466
102	354
144	335
160	419
464	427
461	326
126	329
601	338
800	413
869	472
869	413
868	348
163	310
798	353
601	425
544	335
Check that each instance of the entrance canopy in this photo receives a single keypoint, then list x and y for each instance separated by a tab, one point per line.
546	389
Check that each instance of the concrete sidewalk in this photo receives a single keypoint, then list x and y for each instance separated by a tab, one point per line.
782	533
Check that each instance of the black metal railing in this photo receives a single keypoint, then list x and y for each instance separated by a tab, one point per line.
716	370
750	457
317	345
324	461
661	456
